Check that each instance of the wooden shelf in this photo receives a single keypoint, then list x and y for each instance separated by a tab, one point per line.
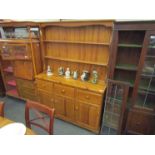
18	41
128	67
76	42
12	93
130	45
12	83
8	70
77	61
131	82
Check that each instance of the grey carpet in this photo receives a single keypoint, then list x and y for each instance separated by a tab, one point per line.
15	110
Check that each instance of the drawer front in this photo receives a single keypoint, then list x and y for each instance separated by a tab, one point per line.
89	97
140	123
45	85
28	93
64	90
25	83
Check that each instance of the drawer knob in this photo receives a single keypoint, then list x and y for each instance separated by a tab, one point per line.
87	97
63	91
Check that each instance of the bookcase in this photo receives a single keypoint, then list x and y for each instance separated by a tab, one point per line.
134	65
79	46
21	57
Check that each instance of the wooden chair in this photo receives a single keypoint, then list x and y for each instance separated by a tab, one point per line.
2	109
39	111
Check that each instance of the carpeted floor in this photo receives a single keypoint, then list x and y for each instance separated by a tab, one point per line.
15	110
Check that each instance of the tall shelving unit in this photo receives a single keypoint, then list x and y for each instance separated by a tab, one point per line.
131	65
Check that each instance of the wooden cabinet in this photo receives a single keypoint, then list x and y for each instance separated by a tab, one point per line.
27	89
79	46
76	105
64	107
140	122
132	61
88	115
21	56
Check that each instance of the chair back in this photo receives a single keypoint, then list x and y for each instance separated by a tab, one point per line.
41	112
2	109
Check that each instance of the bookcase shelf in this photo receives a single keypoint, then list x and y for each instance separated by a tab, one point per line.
11	83
130	45
76	61
128	67
76	42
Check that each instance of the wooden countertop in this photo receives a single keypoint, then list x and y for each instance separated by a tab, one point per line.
4	121
98	88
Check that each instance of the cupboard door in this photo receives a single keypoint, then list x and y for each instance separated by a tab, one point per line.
69	108
88	115
23	69
46	98
59	105
21	51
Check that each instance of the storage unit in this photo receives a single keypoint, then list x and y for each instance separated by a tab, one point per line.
79	46
21	56
133	62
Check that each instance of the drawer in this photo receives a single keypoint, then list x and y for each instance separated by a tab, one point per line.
64	90
24	90
89	97
45	85
25	83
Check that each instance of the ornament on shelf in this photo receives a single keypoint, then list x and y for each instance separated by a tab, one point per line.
75	75
95	77
61	71
85	75
49	71
67	73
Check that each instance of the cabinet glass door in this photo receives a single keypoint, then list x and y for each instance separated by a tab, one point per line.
115	102
21	51
7	52
146	89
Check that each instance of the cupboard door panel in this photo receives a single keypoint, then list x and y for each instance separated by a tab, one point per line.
46	98
23	69
59	106
88	115
69	107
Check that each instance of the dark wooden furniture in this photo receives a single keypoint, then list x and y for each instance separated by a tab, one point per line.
115	107
41	113
132	61
21	57
2	109
79	45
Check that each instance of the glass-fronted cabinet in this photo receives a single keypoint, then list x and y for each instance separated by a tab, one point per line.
115	105
16	51
145	97
6	51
